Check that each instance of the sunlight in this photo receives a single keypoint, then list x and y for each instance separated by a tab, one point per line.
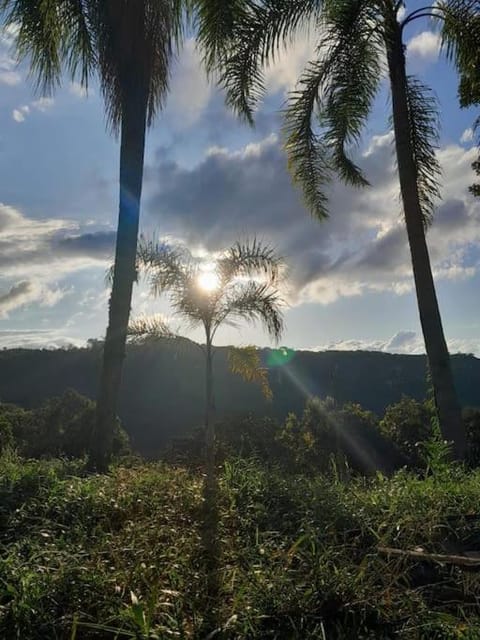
208	279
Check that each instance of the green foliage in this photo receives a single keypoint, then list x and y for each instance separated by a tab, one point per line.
407	423
348	434
99	555
60	427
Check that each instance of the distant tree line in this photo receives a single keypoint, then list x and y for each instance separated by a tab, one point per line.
163	391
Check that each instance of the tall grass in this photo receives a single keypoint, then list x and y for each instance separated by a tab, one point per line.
85	556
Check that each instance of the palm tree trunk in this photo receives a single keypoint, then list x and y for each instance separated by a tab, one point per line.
131	173
209	416
436	347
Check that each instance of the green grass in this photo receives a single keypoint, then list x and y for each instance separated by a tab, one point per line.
120	555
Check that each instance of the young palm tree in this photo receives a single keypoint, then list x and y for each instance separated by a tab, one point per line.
326	114
129	44
240	285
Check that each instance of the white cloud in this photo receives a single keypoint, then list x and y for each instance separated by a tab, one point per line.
43	104
425	46
405	342
36	339
19	114
36	254
10	78
190	91
361	248
289	63
467	135
26	292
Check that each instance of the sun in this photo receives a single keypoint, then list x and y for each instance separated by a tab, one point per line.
208	280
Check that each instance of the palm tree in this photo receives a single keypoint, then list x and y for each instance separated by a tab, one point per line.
241	284
326	114
130	45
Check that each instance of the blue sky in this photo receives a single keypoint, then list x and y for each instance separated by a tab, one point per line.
210	180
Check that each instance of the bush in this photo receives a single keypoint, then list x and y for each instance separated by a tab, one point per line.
407	423
61	427
326	432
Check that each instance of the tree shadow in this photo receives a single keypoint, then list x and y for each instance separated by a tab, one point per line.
210	561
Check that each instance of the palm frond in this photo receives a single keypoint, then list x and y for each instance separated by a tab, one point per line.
51	34
258	33
214	21
254	302
145	327
246	362
308	155
135	43
461	40
250	259
328	110
424	125
164	264
353	68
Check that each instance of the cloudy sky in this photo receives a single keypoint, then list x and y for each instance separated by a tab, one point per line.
209	181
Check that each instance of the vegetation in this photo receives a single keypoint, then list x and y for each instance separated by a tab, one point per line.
60	427
320	520
85	555
164	385
328	111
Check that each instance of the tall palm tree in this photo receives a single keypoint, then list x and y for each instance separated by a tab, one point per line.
129	44
240	285
326	114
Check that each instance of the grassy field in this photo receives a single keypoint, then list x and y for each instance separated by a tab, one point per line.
85	556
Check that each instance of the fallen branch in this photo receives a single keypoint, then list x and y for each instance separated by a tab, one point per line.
465	561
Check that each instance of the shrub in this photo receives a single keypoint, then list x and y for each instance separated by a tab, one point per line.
326	432
61	427
407	423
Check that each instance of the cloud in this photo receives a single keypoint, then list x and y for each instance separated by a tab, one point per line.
8	77
36	339
26	292
467	135
425	46
361	248
190	91
42	104
36	254
79	91
284	72
405	342
19	114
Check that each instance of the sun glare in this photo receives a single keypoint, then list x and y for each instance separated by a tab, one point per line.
208	281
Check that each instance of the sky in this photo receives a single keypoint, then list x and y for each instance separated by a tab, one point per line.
211	180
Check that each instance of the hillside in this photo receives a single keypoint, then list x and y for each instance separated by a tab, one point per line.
163	385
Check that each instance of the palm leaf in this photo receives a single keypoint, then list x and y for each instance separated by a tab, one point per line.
252	41
250	259
424	125
461	40
253	302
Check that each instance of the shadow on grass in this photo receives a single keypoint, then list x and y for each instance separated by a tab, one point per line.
210	562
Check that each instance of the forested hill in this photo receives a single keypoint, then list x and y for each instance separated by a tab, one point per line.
163	385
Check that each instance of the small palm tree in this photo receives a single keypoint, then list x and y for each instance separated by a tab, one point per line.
326	114
241	284
129	45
